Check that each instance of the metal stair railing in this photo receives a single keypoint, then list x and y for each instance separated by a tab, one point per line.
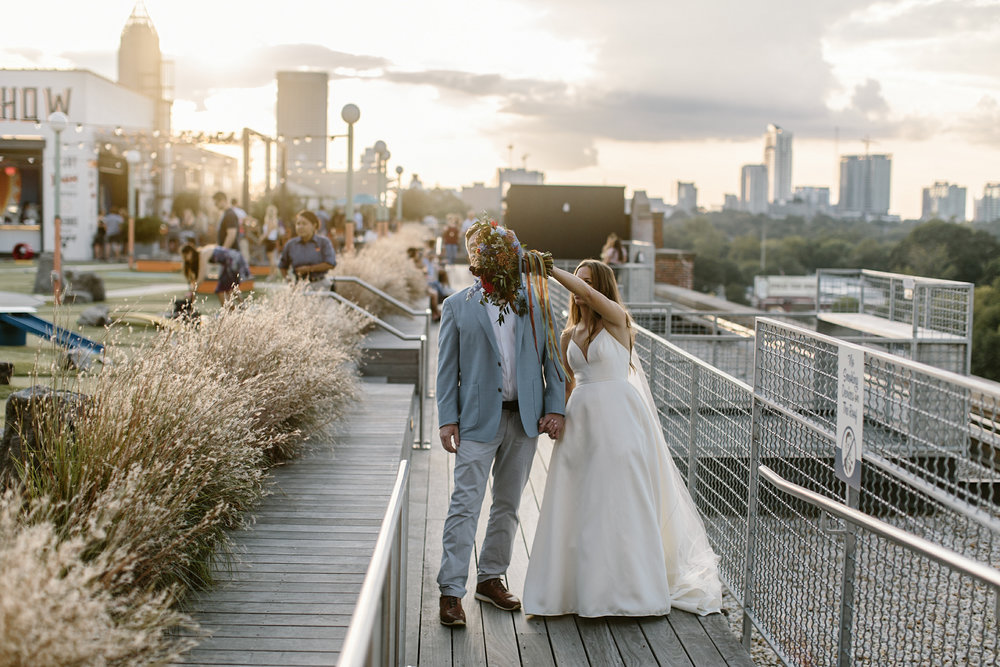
423	388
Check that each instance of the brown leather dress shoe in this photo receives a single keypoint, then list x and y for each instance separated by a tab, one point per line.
451	611
493	590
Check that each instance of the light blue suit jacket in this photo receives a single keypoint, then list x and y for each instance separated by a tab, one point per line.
469	379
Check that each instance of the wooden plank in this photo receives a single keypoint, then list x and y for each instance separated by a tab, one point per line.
435	639
277	631
416	548
598	642
631	642
294	658
725	641
697	644
565	640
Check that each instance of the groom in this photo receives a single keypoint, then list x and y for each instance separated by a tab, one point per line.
493	390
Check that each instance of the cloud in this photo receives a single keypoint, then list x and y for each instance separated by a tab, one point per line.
196	78
981	125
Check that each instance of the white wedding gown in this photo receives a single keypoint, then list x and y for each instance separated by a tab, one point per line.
618	533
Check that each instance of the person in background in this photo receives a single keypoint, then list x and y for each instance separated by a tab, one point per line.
229	224
233	268
114	223
309	255
270	232
101	239
450	239
613	253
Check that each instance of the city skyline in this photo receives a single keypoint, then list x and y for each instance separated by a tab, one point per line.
585	92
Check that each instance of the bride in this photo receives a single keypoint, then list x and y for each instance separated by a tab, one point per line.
618	533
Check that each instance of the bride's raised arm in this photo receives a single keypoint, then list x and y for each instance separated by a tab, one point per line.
612	312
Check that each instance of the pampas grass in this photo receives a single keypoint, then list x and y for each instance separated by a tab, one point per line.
125	506
384	264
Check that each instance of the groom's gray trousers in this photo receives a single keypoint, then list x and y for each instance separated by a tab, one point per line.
510	453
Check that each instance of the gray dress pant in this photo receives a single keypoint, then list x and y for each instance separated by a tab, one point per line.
510	453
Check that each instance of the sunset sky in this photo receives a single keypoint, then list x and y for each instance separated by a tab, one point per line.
639	93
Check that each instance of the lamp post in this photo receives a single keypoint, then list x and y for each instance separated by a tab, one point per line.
399	194
350	113
381	215
58	122
132	157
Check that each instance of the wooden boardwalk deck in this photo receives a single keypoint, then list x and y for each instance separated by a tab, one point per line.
289	598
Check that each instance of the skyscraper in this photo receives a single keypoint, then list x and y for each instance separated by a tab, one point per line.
140	63
944	202
864	185
778	160
988	208
753	188
301	118
687	197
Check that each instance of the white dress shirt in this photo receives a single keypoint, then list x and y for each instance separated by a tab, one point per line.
508	349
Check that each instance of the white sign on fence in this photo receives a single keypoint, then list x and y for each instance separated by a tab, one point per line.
850	414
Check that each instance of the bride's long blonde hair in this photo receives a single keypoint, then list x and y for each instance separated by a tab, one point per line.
602	279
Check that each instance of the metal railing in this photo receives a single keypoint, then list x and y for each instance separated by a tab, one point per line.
966	573
377	628
423	383
936	313
818	591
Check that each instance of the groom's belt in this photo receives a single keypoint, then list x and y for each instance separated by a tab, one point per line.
509	405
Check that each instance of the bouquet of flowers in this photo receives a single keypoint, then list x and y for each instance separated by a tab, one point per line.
497	259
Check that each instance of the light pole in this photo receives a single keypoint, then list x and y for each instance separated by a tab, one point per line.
381	215
350	113
132	157
399	195
58	122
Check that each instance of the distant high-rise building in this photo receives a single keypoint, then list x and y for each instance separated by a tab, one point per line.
814	197
730	203
687	197
140	63
988	208
778	160
864	185
753	188
301	119
944	202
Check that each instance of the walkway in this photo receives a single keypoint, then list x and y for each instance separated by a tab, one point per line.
290	595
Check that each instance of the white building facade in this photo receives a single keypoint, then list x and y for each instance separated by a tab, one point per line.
943	201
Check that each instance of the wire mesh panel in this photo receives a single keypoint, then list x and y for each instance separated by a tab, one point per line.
930	467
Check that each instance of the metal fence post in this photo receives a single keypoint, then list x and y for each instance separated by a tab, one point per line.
693	432
845	641
753	482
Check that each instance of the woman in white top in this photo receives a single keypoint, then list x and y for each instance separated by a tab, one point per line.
270	231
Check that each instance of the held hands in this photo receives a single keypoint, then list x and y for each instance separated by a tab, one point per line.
552	425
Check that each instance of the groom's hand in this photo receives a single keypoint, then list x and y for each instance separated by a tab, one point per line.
552	423
447	433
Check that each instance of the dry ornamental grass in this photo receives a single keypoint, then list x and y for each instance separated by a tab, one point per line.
124	506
